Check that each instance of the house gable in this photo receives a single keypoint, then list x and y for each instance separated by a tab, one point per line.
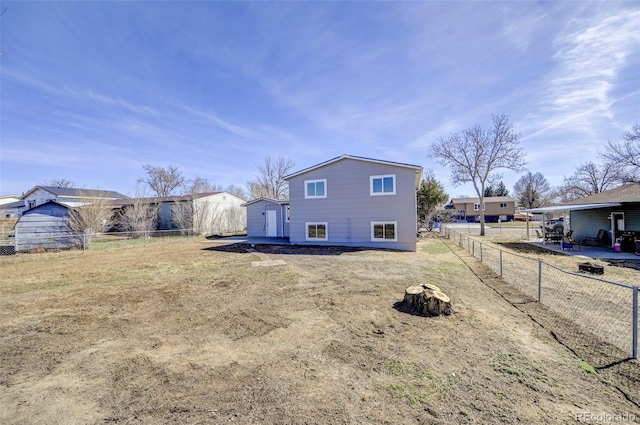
362	202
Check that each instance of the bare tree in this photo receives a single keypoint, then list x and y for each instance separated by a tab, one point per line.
141	216
474	155
237	191
625	155
59	183
182	214
200	185
269	182
162	181
589	179
533	190
92	216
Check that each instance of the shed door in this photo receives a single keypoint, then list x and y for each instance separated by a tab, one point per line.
272	223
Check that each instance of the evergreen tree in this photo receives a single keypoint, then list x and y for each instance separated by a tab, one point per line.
430	194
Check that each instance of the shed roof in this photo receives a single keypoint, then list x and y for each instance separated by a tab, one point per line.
275	201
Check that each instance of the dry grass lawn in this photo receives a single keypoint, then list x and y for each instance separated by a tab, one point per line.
185	330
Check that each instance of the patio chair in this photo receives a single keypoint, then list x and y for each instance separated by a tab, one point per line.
601	240
538	235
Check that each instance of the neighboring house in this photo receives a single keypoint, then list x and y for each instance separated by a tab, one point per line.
206	213
45	225
8	199
616	210
70	197
496	208
355	201
11	210
268	218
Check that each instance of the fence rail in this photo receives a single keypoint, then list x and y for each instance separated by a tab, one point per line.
65	240
603	309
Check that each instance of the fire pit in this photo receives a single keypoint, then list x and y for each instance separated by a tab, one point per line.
590	268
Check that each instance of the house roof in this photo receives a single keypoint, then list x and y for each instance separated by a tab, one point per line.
69	192
275	201
572	207
160	199
629	192
417	168
486	199
12	205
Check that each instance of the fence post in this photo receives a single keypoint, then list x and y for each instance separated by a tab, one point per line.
84	242
500	262
539	280
634	343
481	252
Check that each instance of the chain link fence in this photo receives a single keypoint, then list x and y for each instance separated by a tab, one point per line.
68	240
602	312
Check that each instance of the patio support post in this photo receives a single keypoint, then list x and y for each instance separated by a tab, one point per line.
539	280
634	343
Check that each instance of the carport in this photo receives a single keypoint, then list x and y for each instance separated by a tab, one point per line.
565	209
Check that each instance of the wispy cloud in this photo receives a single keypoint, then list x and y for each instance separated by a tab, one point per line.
591	53
144	110
229	127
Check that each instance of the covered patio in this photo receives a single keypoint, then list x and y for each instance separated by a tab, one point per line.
558	234
593	252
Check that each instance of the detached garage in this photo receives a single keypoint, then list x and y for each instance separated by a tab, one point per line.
45	226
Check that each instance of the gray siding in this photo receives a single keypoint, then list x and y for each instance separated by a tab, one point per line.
349	208
587	223
45	226
257	218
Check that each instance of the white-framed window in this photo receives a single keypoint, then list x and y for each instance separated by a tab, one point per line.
503	205
317	231
287	213
384	231
315	188
383	185
476	207
32	204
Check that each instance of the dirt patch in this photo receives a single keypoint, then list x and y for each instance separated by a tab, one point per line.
187	331
628	264
525	248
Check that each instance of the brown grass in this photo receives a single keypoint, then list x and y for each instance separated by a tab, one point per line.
186	330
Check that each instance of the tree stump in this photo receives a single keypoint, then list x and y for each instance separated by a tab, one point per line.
427	300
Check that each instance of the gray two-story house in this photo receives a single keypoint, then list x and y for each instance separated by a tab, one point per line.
354	201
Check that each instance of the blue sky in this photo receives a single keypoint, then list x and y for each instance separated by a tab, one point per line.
92	91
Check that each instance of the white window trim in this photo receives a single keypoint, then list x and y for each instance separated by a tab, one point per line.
306	195
372	193
478	207
374	239
503	205
315	223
